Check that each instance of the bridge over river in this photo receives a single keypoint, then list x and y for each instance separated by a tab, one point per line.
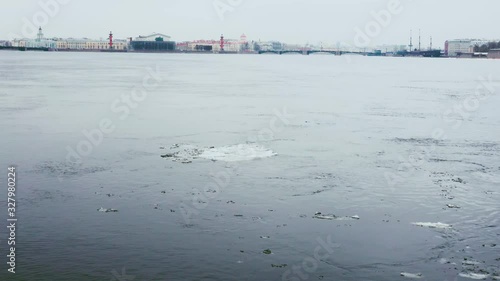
308	52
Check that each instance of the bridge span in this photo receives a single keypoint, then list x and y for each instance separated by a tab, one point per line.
309	52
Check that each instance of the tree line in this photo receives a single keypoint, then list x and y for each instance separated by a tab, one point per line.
487	47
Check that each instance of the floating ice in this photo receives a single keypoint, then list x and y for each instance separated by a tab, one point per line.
411	275
320	216
185	154
104	210
236	153
432	225
474	276
443	261
470	262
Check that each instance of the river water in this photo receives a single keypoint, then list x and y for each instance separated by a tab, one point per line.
254	148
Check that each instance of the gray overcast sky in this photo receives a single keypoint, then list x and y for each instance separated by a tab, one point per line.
293	21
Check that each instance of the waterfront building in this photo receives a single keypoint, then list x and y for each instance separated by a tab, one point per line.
230	45
198	45
269	46
71	44
104	44
464	47
78	44
86	44
459	46
155	42
494	54
39	42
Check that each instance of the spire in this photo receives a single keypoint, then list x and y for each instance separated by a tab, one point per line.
40	34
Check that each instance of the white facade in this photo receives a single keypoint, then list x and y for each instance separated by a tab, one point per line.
89	44
69	43
460	46
104	44
230	45
39	42
34	43
270	46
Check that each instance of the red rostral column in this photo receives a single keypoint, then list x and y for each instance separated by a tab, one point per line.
111	39
222	43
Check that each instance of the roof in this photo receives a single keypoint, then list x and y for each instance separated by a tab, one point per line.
152	36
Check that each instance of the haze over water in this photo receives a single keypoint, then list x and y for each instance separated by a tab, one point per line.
296	134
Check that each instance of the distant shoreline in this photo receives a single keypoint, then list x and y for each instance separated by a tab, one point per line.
28	49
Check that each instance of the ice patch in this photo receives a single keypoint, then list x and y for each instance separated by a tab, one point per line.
443	261
321	216
104	210
432	225
470	263
474	276
236	153
411	275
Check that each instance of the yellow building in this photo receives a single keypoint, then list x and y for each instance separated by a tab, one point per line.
88	44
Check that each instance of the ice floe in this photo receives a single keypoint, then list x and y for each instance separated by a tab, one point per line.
470	262
321	216
233	153
236	153
104	210
475	276
412	275
433	225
